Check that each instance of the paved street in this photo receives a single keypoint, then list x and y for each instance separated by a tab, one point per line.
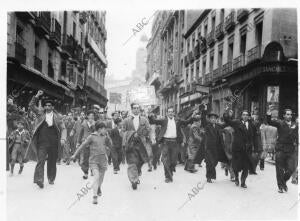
154	199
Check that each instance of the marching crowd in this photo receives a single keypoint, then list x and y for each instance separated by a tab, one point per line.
94	141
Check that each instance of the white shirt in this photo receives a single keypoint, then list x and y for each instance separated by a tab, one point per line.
171	129
49	118
136	121
246	124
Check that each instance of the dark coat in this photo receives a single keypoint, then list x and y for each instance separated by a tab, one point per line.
214	144
136	152
164	125
286	138
116	138
31	153
243	144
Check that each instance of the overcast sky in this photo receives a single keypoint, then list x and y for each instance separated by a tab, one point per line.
120	25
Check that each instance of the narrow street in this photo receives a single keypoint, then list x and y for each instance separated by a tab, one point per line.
154	199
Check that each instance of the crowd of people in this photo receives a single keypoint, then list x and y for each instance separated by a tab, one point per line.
94	141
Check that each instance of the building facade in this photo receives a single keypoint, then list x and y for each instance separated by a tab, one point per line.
243	58
55	52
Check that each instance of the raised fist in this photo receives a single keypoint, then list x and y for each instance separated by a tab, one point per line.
40	93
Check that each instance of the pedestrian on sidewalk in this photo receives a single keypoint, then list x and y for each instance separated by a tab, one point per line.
87	127
18	142
99	144
49	134
285	148
243	144
170	137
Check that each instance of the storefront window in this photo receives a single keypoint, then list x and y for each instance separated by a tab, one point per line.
273	99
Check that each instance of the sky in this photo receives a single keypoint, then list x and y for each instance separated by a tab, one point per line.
121	51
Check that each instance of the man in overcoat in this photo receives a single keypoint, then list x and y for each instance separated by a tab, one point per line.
243	144
49	133
136	156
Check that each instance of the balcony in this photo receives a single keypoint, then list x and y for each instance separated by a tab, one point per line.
50	70
197	51
227	68
229	22
55	35
242	15
207	78
68	45
43	23
211	38
239	62
200	80
20	51
217	73
93	84
37	63
186	61
220	31
254	54
83	17
191	56
203	45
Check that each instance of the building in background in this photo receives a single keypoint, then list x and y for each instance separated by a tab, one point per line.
62	53
244	58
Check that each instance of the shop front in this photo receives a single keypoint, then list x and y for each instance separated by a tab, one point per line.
266	83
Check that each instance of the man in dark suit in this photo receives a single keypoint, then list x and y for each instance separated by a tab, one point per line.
214	144
116	150
49	133
170	137
243	144
284	157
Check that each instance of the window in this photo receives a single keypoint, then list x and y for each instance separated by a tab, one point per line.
37	48
188	45
81	38
187	75
243	44
197	69
211	62
203	66
222	15
205	30
74	29
19	34
213	23
230	51
258	33
199	32
220	57
192	72
193	40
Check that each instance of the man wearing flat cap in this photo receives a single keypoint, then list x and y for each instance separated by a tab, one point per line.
214	144
49	133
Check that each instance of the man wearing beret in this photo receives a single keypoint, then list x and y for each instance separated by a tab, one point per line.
49	133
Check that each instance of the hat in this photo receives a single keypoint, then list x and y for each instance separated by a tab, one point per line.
96	106
213	114
48	101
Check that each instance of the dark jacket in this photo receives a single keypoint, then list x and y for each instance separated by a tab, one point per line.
116	138
31	153
214	143
164	125
286	138
243	139
85	131
243	144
